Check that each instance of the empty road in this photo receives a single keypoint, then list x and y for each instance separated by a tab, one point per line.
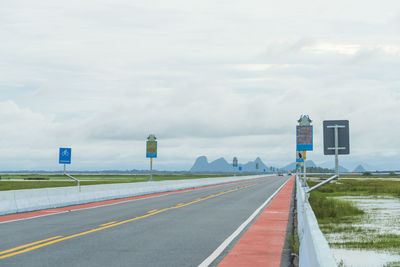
177	229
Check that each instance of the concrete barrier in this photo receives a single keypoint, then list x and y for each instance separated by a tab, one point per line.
314	249
7	202
35	199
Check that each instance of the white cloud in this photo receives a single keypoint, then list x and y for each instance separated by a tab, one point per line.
226	78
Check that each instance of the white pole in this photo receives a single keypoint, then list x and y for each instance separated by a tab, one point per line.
151	169
337	150
304	171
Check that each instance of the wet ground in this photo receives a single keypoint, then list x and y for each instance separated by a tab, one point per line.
378	227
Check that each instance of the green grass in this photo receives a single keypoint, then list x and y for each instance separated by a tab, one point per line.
352	187
377	241
357	176
329	210
61	181
336	216
392	264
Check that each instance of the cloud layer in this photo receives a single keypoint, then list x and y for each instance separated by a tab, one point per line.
225	78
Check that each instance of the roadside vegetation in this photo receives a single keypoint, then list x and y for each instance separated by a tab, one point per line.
330	210
343	222
32	181
359	187
367	175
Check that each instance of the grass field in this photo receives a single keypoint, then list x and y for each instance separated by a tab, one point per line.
343	222
16	181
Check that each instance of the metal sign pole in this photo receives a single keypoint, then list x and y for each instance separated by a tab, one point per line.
151	169
304	169
337	150
336	145
64	169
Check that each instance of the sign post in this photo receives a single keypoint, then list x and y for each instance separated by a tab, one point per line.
65	158
235	165
299	156
304	142
151	152
336	140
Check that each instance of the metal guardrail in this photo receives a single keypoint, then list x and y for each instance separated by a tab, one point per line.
314	249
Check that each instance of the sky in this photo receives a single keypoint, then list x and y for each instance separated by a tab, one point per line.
217	78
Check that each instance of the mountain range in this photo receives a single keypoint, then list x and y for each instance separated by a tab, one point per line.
221	165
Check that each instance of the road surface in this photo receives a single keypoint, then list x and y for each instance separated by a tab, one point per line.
177	229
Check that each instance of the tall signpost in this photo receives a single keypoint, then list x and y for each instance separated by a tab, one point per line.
235	165
151	152
65	158
299	160
304	139
336	140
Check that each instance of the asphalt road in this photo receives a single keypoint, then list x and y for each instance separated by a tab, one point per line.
179	229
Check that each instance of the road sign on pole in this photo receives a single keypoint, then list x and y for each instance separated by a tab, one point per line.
304	137
336	139
151	147
65	155
304	142
299	156
65	158
151	152
235	164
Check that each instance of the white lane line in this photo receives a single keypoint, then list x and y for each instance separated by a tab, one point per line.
34	217
227	241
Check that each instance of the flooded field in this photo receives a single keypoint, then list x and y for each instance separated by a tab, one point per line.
360	219
372	238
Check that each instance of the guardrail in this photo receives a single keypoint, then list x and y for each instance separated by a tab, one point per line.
15	201
314	249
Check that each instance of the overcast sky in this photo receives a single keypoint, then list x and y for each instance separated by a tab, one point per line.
217	78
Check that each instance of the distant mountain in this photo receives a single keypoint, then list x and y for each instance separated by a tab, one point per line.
251	166
200	164
331	165
292	166
311	164
221	165
359	168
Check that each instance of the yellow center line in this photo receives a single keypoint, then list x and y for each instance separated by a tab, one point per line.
30	244
151	211
106	226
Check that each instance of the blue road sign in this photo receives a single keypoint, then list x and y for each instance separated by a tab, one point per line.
151	149
299	156
304	138
65	155
240	168
235	162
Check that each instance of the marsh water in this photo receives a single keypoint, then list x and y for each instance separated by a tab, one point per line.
381	218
